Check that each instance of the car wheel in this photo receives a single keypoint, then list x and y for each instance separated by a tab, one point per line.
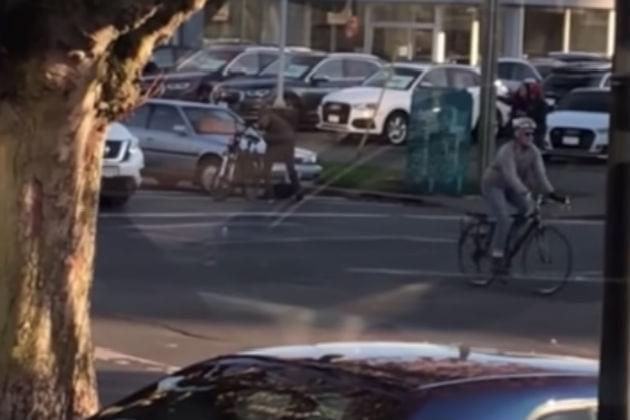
396	128
207	172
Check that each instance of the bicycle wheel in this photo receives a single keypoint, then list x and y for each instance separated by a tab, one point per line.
547	260
473	257
251	178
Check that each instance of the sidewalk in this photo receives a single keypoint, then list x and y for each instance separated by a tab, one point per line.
382	168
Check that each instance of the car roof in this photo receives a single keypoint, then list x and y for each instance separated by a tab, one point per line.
582	67
514	60
354	55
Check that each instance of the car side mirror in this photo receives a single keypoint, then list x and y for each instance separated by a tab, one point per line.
181	130
318	79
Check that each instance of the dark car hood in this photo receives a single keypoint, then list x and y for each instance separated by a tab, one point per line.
246	83
410	352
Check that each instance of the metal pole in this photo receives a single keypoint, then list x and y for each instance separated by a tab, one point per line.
614	348
284	9
488	77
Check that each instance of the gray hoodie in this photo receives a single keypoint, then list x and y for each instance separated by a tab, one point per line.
520	169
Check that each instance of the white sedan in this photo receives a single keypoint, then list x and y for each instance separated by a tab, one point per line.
375	110
579	125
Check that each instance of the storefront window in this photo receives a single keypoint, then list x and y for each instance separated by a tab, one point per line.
543	31
237	19
418	13
458	21
333	29
589	30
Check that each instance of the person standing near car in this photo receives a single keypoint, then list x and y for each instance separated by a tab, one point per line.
537	111
279	135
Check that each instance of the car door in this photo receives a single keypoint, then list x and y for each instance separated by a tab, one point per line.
170	151
326	78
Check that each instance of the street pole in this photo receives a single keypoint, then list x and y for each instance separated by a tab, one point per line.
614	348
488	77
284	9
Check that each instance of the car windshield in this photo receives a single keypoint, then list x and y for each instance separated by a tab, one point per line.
587	102
297	66
211	59
400	78
560	84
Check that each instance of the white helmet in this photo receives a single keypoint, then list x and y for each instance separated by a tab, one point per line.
524	123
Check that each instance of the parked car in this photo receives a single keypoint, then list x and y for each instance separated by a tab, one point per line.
123	162
578	57
579	125
166	58
310	76
565	78
183	141
370	381
512	72
372	110
194	78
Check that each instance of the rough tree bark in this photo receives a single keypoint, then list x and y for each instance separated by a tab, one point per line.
67	67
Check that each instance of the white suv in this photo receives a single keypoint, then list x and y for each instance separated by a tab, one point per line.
373	110
122	163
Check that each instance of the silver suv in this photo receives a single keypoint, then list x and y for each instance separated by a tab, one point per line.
184	141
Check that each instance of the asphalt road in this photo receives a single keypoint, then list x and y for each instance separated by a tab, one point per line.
180	278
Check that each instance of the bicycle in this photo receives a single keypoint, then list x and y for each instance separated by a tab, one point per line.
241	167
530	236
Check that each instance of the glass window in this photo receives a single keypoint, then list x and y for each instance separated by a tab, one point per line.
211	59
543	30
139	117
360	69
462	79
457	26
211	121
402	79
164	118
515	71
248	64
297	66
332	69
586	101
401	12
266	58
589	30
437	78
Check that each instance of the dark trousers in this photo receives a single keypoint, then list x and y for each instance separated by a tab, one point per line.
281	155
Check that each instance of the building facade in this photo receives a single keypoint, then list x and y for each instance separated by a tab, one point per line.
436	30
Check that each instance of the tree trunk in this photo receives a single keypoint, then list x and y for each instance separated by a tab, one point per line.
48	206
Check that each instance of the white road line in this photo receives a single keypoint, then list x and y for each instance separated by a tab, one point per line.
349	238
108	355
209	215
582	277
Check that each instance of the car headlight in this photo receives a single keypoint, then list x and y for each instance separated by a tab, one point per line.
258	93
367	110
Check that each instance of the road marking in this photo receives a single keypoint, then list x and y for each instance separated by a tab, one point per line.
108	355
582	276
350	238
209	215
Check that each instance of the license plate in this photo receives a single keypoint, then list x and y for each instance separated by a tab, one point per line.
571	141
333	119
110	171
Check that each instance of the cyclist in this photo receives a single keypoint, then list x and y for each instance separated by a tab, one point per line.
518	169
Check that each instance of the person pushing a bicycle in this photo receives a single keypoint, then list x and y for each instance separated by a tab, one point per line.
517	170
280	136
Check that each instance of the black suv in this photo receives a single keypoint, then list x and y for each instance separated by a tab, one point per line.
563	79
195	77
309	77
